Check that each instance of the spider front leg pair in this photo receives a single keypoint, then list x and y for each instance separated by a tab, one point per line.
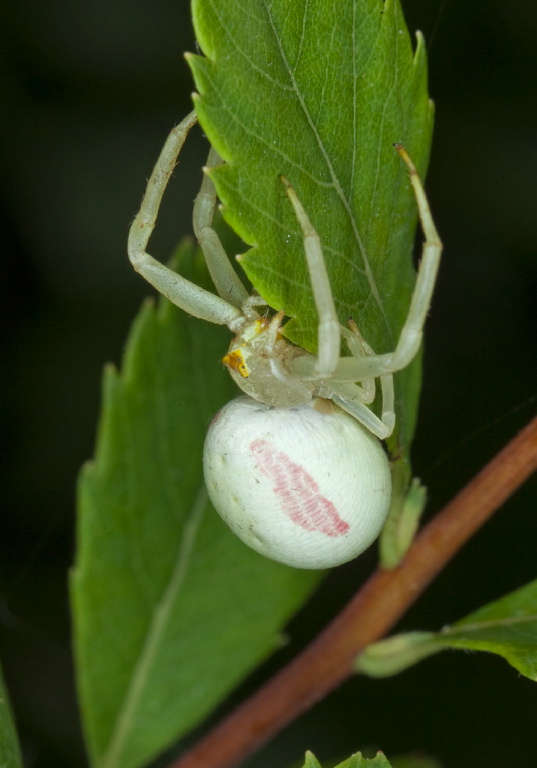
299	480
336	377
258	355
224	309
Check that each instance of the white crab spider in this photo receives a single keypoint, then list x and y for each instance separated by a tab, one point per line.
299	480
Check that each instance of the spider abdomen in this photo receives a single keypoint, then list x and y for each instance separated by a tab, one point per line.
302	486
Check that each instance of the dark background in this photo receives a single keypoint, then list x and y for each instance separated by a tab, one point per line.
89	92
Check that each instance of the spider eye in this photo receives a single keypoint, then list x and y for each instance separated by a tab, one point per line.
235	362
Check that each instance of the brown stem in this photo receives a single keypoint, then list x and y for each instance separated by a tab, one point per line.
327	661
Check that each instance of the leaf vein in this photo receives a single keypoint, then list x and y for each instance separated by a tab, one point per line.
155	632
335	180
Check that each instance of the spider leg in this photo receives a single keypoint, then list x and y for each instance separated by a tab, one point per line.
329	333
181	292
374	366
272	332
354	398
359	347
224	277
412	332
348	397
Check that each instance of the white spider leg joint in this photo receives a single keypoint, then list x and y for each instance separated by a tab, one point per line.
295	477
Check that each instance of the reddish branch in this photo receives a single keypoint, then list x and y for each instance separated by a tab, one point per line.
327	661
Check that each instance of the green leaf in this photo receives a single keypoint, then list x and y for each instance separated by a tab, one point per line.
10	754
171	610
507	627
311	761
355	761
379	761
409	497
318	90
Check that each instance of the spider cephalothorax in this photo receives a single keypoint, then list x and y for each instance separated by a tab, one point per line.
260	360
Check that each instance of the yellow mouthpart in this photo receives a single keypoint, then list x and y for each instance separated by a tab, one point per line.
235	362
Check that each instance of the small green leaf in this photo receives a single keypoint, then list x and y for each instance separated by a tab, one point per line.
170	609
10	754
408	502
311	761
319	90
395	654
355	761
507	627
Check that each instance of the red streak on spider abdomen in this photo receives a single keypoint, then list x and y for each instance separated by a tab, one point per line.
298	492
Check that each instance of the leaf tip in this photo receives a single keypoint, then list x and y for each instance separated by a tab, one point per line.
86	470
420	54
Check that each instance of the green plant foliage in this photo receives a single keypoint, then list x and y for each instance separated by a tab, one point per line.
319	91
10	754
507	627
408	502
355	761
171	610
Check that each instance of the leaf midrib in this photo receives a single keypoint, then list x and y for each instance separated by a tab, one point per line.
155	632
325	155
335	181
508	621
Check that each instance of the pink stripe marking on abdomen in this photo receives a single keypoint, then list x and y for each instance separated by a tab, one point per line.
299	493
